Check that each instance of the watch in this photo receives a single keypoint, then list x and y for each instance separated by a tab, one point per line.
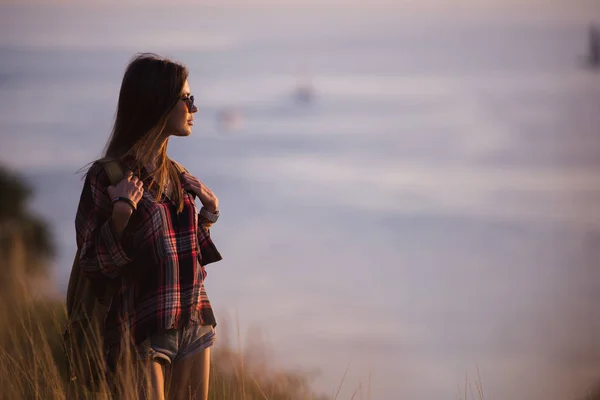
209	216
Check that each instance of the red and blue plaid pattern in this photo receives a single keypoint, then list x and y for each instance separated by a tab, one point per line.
159	260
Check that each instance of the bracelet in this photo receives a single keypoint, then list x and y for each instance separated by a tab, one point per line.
209	216
126	200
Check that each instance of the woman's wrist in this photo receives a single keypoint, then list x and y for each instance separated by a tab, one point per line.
211	207
126	200
120	215
122	208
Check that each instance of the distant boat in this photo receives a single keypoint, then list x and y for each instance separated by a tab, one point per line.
593	57
304	94
305	91
229	119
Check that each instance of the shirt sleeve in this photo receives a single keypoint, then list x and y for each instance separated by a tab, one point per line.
208	250
102	253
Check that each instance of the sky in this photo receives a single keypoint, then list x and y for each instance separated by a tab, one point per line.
526	10
488	4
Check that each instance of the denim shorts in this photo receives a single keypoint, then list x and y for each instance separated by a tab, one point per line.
174	345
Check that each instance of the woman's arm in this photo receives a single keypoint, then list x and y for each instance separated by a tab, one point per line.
100	227
208	250
210	202
120	216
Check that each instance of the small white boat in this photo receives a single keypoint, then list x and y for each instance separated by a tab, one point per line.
229	119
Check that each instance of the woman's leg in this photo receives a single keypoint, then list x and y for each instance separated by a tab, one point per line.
151	380
189	377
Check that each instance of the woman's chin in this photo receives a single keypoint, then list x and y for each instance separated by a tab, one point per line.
183	132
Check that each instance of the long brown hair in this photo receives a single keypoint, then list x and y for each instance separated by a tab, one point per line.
151	87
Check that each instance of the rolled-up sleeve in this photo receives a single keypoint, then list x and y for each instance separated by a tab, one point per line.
102	253
208	250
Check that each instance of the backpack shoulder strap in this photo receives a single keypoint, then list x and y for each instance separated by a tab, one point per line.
113	169
180	168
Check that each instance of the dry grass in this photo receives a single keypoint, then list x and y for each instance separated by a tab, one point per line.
468	392
34	365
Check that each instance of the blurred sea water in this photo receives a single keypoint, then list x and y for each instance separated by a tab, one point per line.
434	210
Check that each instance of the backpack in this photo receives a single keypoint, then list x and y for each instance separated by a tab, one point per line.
87	305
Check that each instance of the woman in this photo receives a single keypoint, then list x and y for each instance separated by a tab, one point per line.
146	233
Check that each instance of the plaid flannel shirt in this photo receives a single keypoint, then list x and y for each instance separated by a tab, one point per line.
159	260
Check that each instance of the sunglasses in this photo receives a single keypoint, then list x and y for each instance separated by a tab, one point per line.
189	102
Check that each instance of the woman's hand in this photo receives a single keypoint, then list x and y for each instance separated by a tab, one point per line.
130	187
206	196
